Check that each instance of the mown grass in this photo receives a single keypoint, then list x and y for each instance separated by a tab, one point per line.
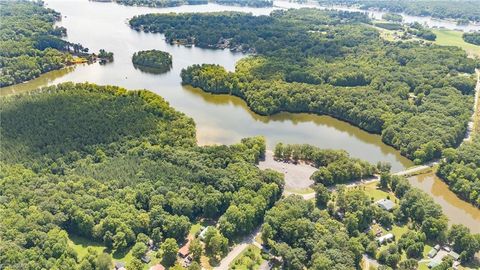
372	190
300	191
454	38
81	245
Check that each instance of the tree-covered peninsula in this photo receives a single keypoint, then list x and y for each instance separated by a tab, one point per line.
31	44
154	61
116	167
418	96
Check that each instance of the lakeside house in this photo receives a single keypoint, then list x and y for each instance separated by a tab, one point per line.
386	204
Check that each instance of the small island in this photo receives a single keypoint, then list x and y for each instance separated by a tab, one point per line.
153	61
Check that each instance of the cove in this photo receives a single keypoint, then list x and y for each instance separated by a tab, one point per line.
220	119
457	210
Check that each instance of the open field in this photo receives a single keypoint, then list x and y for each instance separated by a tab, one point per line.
80	245
454	38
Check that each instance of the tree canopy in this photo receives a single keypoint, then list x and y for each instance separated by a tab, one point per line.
154	61
109	165
472	37
461	170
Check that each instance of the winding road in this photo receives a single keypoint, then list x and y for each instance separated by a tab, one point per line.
239	248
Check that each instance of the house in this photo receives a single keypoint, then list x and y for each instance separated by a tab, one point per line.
432	253
386	204
386	238
203	232
157	267
454	255
184	251
433	263
120	266
145	259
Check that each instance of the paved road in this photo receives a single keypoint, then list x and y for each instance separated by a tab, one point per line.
239	248
417	168
310	196
471	124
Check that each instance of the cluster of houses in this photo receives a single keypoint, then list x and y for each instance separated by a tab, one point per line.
386	205
437	254
183	253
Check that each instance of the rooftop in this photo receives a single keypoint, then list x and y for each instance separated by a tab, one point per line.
386	204
157	267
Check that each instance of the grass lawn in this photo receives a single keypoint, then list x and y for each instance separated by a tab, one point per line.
300	191
374	192
399	231
195	228
205	262
423	266
249	259
454	38
80	245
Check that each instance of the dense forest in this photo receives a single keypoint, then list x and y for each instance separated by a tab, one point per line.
418	96
461	10
334	166
461	170
154	61
472	37
116	167
175	3
335	231
31	44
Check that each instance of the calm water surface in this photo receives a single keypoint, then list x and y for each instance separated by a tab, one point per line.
220	119
458	211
